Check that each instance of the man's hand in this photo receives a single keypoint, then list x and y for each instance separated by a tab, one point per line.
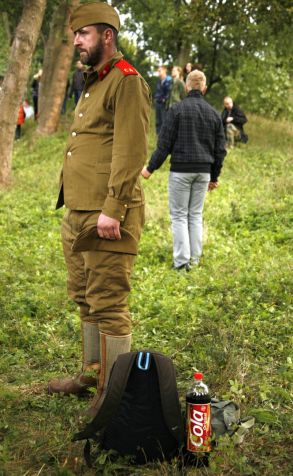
229	119
108	228
213	185
145	173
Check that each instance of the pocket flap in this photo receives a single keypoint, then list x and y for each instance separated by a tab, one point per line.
103	167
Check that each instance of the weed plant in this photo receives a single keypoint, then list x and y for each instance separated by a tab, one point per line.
229	317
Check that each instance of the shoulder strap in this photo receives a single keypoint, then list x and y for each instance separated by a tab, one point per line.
125	67
169	396
117	384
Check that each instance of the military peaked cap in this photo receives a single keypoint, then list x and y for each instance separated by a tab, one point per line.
92	13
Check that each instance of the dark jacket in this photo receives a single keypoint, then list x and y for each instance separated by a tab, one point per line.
239	119
194	136
35	88
162	92
77	83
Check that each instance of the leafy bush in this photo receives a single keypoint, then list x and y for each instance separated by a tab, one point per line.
261	85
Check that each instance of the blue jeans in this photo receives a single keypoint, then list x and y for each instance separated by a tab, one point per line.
77	94
186	199
160	116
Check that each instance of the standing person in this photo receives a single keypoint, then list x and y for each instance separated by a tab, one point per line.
28	109
66	94
100	187
20	122
178	91
35	92
161	96
193	134
233	120
77	82
186	70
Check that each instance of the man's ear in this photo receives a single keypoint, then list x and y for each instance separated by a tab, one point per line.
108	36
204	90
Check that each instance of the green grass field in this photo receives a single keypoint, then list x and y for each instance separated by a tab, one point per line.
229	318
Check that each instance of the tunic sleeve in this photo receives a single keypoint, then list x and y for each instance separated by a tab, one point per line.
131	122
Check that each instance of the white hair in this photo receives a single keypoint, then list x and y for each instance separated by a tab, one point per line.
196	80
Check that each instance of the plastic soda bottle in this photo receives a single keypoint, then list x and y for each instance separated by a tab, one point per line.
198	416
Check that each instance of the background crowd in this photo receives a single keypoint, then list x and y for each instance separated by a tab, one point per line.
169	90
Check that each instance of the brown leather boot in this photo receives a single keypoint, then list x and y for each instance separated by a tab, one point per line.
110	346
91	357
78	385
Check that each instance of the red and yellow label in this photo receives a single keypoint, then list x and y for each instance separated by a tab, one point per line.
199	430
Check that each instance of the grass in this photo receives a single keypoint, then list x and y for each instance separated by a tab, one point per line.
230	317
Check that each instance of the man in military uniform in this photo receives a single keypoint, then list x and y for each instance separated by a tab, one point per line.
100	188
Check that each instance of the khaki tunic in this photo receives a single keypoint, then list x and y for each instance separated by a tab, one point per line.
107	147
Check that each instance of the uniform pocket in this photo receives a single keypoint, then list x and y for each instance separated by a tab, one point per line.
103	167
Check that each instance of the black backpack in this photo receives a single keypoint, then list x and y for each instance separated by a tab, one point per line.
140	416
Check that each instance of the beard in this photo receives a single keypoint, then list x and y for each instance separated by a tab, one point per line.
93	56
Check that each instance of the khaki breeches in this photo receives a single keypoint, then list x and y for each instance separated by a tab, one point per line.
232	134
99	281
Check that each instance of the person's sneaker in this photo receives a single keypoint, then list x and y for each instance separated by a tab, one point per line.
185	266
194	262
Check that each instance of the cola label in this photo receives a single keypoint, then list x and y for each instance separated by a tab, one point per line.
199	429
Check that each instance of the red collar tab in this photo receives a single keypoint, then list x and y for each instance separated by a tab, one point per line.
125	67
104	71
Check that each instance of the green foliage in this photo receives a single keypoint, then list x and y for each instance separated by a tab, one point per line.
13	11
230	317
135	55
260	85
244	48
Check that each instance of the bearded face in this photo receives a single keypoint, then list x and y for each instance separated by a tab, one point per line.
90	45
93	55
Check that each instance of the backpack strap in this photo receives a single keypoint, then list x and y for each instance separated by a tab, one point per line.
169	396
117	384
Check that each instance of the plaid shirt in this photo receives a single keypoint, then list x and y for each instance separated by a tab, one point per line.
194	136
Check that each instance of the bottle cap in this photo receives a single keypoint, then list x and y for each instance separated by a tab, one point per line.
198	376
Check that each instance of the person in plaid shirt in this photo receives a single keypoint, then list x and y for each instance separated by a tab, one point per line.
194	136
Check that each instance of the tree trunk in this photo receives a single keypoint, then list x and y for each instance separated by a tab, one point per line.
15	80
183	55
57	62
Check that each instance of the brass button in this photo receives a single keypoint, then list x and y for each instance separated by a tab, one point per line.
86	95
74	134
125	205
122	216
80	114
69	154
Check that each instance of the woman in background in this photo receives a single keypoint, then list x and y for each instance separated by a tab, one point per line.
178	91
